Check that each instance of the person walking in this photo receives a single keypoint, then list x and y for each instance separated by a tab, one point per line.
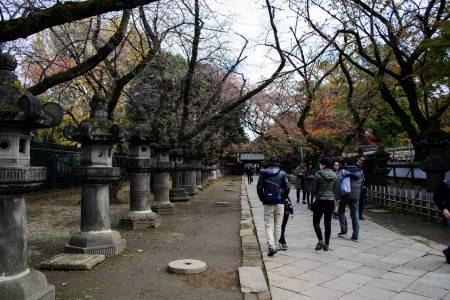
299	172
336	167
355	176
362	198
249	172
323	189
288	210
307	184
272	188
442	200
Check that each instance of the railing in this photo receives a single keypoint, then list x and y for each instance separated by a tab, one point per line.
408	200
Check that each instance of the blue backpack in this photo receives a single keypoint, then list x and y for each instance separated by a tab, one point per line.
272	190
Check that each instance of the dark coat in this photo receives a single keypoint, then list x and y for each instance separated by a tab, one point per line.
277	176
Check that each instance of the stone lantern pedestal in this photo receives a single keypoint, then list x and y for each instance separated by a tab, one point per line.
20	112
96	135
178	193
139	164
199	176
160	180
190	174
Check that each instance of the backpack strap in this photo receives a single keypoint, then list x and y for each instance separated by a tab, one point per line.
328	184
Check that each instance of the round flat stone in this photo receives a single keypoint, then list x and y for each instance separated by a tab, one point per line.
187	266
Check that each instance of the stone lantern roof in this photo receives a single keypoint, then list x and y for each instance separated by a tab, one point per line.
140	132
96	129
18	107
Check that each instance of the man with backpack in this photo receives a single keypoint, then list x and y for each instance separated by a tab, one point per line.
273	188
348	190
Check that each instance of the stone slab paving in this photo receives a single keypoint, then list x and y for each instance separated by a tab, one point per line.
382	265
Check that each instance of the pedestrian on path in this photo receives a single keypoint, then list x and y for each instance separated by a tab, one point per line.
288	210
336	168
249	171
299	172
442	200
307	184
351	198
273	187
323	188
362	197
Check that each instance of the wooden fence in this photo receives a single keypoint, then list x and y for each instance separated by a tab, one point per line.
407	200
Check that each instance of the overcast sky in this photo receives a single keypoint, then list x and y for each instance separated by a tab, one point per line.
249	18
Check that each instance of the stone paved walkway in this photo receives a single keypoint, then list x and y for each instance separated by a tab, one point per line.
382	265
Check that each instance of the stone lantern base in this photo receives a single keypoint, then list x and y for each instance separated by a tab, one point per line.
163	208
136	220
30	286
178	195
108	243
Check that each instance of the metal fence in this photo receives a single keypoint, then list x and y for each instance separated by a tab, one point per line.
59	160
408	200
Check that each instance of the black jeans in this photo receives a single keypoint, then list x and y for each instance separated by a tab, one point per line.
283	227
308	197
326	208
249	179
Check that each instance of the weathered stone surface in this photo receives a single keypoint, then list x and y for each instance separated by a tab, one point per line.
187	266
32	286
252	280
246	232
72	261
140	220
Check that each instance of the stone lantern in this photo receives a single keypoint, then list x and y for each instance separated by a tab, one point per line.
96	135
199	173
139	165
161	168
20	112
178	193
436	163
190	173
377	167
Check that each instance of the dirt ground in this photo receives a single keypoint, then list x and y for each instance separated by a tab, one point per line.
198	229
411	225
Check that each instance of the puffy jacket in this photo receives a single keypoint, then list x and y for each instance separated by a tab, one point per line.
277	176
324	184
356	181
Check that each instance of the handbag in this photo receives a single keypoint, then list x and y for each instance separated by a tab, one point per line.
314	204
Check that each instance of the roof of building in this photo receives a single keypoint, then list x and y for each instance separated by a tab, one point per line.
251	156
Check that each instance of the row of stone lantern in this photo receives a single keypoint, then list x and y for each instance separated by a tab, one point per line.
148	164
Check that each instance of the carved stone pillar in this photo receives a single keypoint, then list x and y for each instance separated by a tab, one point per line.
20	112
190	174
139	165
97	135
178	193
160	182
199	175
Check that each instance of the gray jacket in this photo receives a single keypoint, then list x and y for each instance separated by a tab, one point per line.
356	181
